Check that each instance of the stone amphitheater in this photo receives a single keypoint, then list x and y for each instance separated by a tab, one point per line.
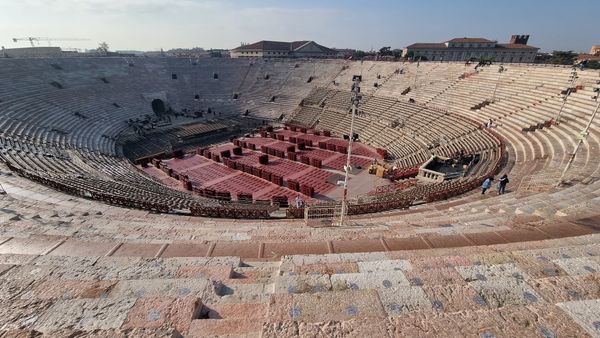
92	245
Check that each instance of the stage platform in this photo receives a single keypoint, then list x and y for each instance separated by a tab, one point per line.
240	171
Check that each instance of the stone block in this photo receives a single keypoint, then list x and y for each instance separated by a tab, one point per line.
499	292
568	288
333	258
163	312
205	272
336	305
387	265
326	268
137	250
4	268
578	266
404	299
225	327
439	262
493	258
18	314
280	306
85	314
16	259
70	289
30	273
257	311
170	288
28	246
489	272
80	248
241	293
302	283
253	275
65	261
356	327
454	298
373	280
585	313
437	276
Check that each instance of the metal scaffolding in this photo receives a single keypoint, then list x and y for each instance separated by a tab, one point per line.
355	100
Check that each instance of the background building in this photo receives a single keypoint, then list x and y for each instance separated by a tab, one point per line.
462	49
31	52
279	49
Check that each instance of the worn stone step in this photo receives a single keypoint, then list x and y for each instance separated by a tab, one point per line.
225	327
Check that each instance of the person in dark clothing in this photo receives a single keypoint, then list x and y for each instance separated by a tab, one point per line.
502	184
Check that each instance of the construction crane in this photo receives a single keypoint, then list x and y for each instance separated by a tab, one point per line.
36	40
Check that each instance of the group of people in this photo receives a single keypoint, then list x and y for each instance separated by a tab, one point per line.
487	184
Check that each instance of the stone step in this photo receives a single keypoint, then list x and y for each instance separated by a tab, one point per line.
545	320
225	327
256	311
369	280
241	293
173	288
325	306
288	263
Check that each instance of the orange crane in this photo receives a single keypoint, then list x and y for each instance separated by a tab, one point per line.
36	40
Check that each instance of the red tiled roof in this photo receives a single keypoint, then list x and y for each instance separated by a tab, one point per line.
281	46
480	40
589	57
297	44
266	45
427	45
514	46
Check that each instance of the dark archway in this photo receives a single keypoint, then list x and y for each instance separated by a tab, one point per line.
158	106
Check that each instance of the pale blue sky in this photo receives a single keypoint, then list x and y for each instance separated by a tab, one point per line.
155	24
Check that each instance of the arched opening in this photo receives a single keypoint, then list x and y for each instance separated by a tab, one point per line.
158	106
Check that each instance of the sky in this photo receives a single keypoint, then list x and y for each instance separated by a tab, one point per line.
154	24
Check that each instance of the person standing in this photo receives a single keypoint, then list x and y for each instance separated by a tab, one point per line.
486	185
502	184
299	202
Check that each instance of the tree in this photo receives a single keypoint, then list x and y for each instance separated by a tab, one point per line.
385	51
593	65
562	57
359	54
397	53
103	47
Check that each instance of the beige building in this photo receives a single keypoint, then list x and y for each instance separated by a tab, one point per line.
595	50
31	52
280	49
462	49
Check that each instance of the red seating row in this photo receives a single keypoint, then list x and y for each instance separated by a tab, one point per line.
400	174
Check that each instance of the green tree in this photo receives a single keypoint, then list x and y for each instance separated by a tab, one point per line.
359	54
593	65
385	51
562	57
103	47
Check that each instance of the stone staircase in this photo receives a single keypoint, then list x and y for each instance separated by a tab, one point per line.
546	288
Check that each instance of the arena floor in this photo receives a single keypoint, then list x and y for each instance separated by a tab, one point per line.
207	173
